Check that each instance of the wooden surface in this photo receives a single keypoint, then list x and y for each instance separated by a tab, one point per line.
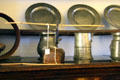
60	25
68	71
61	32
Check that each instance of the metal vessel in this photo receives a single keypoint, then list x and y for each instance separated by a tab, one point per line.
115	47
111	14
42	45
42	13
83	46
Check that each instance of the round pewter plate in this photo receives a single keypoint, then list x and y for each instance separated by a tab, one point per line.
112	15
83	15
42	13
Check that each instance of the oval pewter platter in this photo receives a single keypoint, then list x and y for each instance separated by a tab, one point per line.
42	13
83	15
112	15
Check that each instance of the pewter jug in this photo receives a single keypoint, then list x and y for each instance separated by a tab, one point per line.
42	45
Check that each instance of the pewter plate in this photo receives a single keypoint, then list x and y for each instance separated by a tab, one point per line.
42	13
83	15
112	15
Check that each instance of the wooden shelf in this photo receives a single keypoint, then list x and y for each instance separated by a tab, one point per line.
67	71
61	32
